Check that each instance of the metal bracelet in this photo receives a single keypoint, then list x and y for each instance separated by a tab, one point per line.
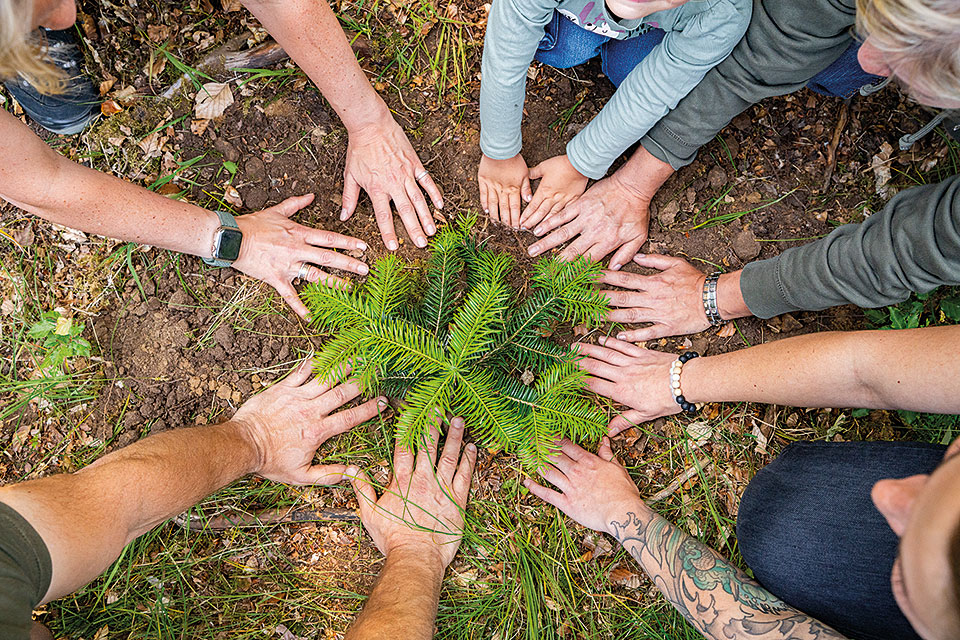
710	299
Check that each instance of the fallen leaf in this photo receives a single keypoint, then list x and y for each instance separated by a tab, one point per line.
197	127
232	196
880	164
229	6
110	107
212	100
152	145
727	330
624	576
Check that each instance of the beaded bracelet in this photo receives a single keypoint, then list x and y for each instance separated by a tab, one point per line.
675	369
710	299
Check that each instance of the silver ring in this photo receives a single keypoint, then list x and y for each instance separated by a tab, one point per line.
423	174
302	274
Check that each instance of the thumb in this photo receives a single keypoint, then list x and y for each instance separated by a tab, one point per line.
536	172
605	451
525	190
363	488
624	421
291	205
323	474
655	261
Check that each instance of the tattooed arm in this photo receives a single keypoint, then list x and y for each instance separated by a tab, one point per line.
716	597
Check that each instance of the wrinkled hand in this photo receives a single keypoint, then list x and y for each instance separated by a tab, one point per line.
594	490
274	247
381	161
421	509
625	373
288	422
610	215
561	184
672	300
502	183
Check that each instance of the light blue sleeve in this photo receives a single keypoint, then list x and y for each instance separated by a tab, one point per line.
700	40
514	29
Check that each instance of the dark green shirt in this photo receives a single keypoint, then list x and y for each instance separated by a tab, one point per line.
25	571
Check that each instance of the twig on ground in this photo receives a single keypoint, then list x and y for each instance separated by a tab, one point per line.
704	464
266	517
834	143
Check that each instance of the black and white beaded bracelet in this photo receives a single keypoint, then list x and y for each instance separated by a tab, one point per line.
675	370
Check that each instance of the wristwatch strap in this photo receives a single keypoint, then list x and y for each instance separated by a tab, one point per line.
226	220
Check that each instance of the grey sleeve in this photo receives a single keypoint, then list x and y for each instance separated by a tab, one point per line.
514	30
25	572
912	245
657	83
786	44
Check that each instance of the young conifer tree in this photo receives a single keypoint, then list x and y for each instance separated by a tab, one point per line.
455	337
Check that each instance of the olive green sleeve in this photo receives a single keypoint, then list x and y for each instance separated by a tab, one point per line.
25	571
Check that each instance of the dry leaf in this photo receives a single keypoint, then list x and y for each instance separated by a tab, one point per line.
229	6
232	197
103	633
125	96
152	145
761	437
880	163
110	107
727	330
598	545
107	84
197	127
700	431
625	577
212	100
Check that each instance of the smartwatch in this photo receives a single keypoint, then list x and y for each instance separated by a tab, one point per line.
226	242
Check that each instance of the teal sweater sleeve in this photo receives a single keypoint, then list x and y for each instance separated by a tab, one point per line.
912	245
703	34
514	30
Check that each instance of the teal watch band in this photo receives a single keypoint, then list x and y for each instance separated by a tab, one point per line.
226	221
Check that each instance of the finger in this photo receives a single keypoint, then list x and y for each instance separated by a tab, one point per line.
409	218
626	252
312	274
349	418
573	451
351	194
422	209
547	495
624	421
493	203
289	295
447	466
622	298
432	190
605	451
318	386
427	453
299	374
514	198
531	210
633	315
536	172
555	239
554	220
403	459
381	210
331	240
652	332
582	246
291	205
600	369
555	477
461	481
333	260
599	386
560	460
602	353
623	279
331	400
503	206
323	474
525	191
626	348
482	187
364	490
658	261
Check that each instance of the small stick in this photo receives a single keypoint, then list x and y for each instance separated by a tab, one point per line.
703	464
834	143
229	57
266	517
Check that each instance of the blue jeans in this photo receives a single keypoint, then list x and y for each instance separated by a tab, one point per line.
566	45
812	536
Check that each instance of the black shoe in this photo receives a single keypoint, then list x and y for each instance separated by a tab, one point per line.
68	112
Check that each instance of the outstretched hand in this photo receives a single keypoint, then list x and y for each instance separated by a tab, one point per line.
610	216
502	184
625	373
560	184
594	490
421	510
274	248
381	161
288	422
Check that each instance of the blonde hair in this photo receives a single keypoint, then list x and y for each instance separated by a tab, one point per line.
21	54
920	35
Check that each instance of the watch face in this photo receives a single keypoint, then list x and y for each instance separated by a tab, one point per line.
228	244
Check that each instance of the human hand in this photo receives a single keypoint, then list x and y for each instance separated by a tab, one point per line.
289	421
594	490
610	215
561	184
671	300
502	183
625	373
421	509
381	161
275	247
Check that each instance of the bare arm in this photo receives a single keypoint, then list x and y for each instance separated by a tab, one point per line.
86	518
716	597
836	369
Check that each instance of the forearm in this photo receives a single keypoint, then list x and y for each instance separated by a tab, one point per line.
309	31
404	600
86	518
716	597
841	369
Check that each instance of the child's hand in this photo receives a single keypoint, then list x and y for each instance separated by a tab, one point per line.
502	182
561	185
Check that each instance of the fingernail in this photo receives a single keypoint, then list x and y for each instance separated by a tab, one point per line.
343	215
471	447
621	336
392	245
421	242
602	339
351	472
362	246
638	256
532	252
523	228
456	424
363	269
538	231
528	198
308	318
431	229
486	210
440	206
382	402
616	267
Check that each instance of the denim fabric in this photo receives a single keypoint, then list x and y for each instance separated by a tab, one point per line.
844	77
812	536
566	45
